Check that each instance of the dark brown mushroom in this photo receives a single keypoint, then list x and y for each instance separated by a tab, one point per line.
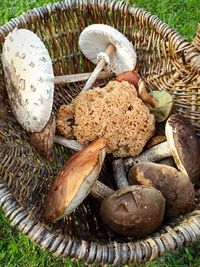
175	186
134	211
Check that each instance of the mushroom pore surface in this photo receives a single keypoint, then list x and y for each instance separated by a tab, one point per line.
175	186
134	211
115	113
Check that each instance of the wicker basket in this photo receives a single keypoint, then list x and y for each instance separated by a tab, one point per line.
168	61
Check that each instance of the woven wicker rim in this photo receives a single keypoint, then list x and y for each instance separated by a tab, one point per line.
112	253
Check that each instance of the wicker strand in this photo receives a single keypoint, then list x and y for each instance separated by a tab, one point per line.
167	61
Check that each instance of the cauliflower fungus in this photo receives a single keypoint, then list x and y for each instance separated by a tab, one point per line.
113	112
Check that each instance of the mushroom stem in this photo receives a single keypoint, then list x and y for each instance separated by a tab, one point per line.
72	144
109	50
80	77
153	154
101	191
119	173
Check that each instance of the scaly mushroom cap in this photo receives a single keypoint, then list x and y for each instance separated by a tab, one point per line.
175	186
134	211
74	181
184	145
29	79
95	38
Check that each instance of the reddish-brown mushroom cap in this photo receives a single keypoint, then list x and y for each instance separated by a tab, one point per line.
74	181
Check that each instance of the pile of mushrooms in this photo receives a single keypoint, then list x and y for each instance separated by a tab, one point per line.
148	189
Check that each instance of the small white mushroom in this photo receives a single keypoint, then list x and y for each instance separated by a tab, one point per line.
104	45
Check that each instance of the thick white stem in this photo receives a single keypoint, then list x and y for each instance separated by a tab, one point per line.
153	154
72	144
101	191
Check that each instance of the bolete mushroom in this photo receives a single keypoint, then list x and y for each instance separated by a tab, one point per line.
175	186
131	208
133	211
30	80
74	181
182	143
104	45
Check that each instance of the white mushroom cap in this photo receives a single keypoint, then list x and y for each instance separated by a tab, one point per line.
29	78
95	38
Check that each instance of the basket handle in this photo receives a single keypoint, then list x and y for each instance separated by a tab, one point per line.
196	40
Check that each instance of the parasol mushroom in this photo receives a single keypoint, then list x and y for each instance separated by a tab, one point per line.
30	80
77	179
182	143
104	45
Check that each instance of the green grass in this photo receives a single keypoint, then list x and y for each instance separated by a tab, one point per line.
15	248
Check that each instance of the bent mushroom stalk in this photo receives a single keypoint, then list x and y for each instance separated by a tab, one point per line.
127	215
104	45
182	143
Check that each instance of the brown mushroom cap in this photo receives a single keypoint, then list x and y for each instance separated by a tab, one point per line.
43	141
175	186
133	211
74	181
129	76
184	145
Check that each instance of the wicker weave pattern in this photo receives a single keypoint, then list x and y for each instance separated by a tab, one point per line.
167	61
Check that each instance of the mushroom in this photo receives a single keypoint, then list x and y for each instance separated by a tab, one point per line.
74	181
182	143
131	209
175	186
104	45
29	78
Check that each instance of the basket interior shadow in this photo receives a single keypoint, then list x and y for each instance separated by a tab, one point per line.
167	61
